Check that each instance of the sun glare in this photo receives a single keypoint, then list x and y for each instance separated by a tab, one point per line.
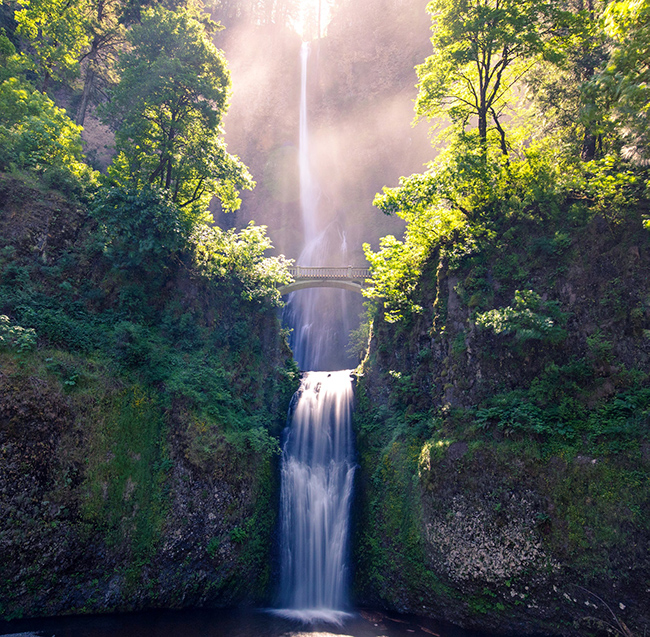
312	18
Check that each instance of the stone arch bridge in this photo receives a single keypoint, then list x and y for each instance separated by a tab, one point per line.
345	278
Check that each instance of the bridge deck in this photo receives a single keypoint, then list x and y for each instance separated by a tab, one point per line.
346	278
318	272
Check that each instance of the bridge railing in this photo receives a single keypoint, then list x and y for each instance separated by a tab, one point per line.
316	272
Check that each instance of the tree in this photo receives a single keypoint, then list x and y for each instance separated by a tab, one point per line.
167	109
37	135
561	86
626	79
11	65
105	34
141	229
481	49
57	33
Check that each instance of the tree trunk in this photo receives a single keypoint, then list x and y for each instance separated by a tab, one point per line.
482	111
502	133
482	126
46	81
90	77
85	96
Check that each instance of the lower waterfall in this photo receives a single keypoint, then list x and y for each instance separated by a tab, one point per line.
317	478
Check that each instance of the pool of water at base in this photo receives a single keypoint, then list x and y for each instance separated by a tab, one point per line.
224	623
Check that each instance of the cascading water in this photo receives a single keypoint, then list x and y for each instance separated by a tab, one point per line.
317	476
308	194
318	455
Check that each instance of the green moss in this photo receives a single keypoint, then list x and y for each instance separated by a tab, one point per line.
125	479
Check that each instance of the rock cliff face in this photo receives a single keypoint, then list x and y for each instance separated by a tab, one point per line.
121	487
164	534
505	473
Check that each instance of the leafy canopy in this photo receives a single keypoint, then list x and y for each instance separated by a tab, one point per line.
565	107
528	318
481	48
626	79
224	255
57	33
37	135
168	107
140	228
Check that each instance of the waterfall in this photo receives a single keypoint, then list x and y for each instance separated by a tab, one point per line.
308	194
320	318
317	476
317	454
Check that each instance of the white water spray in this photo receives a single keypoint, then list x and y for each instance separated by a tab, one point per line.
318	455
317	477
308	194
320	317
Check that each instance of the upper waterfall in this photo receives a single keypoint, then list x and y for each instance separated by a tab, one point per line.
308	194
321	319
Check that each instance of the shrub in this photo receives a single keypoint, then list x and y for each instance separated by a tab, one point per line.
140	228
37	135
528	318
16	337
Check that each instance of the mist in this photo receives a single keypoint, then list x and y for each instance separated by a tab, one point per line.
361	92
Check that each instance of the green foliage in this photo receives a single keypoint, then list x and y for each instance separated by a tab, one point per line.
141	228
105	22
125	480
139	290
622	422
38	136
57	33
60	327
480	50
11	64
626	79
470	204
227	255
261	442
397	266
15	337
167	107
360	338
599	347
553	410
513	413
213	546
238	535
528	318
594	92
132	346
566	106
454	207
613	186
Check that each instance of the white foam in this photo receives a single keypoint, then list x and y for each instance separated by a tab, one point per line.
313	615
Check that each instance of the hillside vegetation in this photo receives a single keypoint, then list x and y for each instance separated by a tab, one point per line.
144	376
503	403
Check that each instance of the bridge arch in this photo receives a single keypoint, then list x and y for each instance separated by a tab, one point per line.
344	278
319	283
